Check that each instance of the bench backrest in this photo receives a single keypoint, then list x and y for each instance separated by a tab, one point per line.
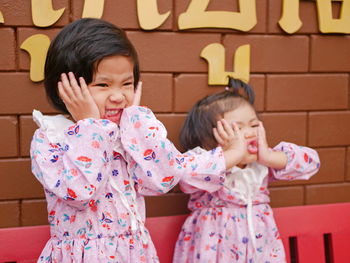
318	233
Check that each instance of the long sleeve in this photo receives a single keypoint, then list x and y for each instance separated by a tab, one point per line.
191	183
302	162
155	164
74	169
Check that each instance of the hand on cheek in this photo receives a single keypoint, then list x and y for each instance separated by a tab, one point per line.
138	93
264	153
266	156
77	97
232	142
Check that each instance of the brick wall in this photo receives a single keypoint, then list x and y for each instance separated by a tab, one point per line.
301	82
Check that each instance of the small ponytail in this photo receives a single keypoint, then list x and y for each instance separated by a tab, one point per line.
241	89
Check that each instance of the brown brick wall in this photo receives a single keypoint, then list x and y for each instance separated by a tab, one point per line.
301	82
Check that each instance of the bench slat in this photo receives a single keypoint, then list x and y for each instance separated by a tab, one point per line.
311	248
163	239
23	244
341	247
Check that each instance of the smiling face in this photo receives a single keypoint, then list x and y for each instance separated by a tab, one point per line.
112	87
245	117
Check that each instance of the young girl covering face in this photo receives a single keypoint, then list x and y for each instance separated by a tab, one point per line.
232	221
96	169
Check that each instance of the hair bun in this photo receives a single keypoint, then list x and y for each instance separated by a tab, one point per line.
241	89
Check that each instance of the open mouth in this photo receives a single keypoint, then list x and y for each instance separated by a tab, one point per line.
113	115
252	147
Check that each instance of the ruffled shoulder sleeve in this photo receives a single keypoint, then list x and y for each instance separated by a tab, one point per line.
54	126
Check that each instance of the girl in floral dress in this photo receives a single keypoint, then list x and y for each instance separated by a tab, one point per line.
232	221
96	169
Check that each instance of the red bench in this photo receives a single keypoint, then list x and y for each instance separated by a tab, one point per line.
311	234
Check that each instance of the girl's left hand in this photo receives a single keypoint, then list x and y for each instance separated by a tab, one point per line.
263	148
266	156
138	93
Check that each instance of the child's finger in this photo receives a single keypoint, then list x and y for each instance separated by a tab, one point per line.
66	86
236	129
261	126
221	131
63	95
218	137
138	93
262	141
74	85
228	129
84	88
261	131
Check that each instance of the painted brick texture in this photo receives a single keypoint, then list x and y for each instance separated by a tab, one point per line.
301	82
334	61
7	51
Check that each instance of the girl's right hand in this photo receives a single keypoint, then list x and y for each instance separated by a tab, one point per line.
232	142
77	99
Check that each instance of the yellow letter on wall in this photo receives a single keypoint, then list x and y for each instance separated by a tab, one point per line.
214	54
326	22
43	14
290	21
1	18
149	17
37	46
197	17
93	8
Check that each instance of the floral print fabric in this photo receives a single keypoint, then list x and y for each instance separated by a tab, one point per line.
233	222
95	178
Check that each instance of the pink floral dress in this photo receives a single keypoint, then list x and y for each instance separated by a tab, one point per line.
234	222
95	174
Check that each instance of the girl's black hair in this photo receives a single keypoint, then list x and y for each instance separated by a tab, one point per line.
79	48
198	126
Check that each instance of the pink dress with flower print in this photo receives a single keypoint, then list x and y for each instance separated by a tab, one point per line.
95	174
234	222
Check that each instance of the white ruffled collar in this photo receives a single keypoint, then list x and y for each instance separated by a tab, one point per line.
55	126
247	181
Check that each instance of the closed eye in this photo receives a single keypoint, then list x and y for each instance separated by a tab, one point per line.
101	85
128	83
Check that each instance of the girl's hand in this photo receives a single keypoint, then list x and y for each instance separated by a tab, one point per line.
266	156
232	142
77	99
138	93
263	148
